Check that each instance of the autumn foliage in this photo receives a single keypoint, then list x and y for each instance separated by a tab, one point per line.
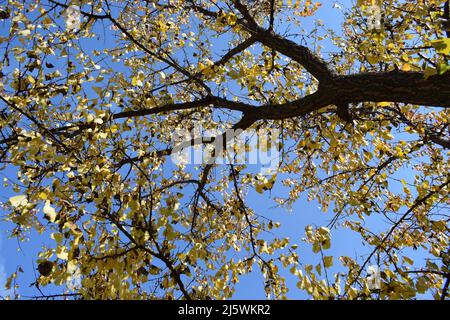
88	114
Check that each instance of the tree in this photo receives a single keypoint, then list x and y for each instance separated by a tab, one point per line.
89	113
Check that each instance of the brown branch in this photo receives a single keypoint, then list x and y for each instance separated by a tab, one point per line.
301	54
401	87
445	288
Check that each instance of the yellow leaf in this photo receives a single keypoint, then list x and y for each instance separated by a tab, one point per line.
422	285
98	90
47	21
